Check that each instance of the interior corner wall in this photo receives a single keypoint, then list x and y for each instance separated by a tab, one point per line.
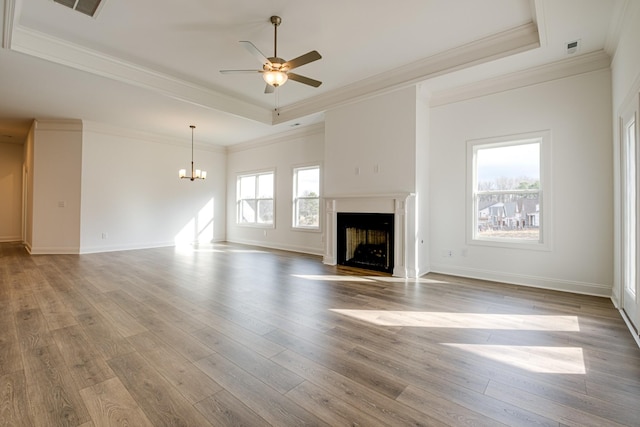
132	197
422	186
625	83
577	111
11	160
56	179
28	188
301	147
370	145
625	65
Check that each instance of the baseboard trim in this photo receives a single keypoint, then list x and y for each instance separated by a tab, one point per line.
289	248
634	333
117	248
584	288
10	239
53	250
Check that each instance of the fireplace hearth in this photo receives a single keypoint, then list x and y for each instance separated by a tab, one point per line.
365	240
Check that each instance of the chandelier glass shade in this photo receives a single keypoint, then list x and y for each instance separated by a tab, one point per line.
195	173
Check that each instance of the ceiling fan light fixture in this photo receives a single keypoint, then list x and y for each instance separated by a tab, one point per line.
275	70
275	78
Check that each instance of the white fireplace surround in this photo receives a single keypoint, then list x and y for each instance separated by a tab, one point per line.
401	205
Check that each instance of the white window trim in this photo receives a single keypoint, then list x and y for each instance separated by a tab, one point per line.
546	224
295	227
256	224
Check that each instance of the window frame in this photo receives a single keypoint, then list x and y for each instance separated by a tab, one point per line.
240	200
544	243
294	203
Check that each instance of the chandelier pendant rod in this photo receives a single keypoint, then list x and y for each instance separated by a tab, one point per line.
195	174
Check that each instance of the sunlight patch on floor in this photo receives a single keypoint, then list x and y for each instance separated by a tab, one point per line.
403	279
538	359
332	278
213	248
428	319
187	248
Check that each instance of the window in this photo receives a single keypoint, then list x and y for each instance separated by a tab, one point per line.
306	197
506	191
255	199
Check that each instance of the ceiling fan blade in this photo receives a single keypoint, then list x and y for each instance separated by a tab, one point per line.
303	59
240	71
253	50
303	79
269	89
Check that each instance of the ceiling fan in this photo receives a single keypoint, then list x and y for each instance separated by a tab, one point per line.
276	71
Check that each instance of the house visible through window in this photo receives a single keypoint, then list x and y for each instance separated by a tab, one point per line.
306	197
255	199
506	190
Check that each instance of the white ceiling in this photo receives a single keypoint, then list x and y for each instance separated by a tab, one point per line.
153	65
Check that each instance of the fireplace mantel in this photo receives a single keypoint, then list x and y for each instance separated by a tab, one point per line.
401	204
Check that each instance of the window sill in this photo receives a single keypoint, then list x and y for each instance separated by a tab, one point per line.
255	225
511	244
307	229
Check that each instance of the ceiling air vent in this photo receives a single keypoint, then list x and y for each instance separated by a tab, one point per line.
88	7
572	47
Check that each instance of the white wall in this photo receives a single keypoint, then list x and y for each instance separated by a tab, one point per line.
421	162
131	191
625	81
577	111
282	153
371	163
29	187
371	144
625	66
57	163
11	159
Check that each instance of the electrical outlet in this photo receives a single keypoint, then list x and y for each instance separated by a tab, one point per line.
105	235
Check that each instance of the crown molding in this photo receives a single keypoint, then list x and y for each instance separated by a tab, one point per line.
290	135
52	49
106	129
540	19
615	27
585	63
58	125
515	40
8	8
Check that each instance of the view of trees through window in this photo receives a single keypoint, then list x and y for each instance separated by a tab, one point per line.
255	199
306	203
507	194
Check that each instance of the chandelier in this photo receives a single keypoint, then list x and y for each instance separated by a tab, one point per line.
195	173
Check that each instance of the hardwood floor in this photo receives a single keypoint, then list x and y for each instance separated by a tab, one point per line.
234	335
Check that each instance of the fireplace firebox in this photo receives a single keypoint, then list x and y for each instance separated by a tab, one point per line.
365	240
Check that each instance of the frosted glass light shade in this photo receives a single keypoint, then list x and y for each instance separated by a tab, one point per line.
275	78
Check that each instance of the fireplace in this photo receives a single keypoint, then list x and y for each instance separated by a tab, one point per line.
399	209
365	240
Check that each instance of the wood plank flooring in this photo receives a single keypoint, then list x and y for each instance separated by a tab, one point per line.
230	335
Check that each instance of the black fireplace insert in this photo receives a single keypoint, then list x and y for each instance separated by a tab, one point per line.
365	240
